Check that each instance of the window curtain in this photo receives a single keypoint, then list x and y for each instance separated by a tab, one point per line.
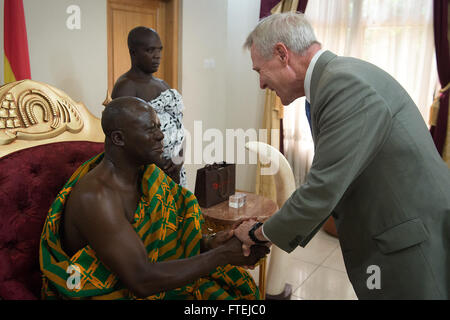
273	108
397	36
439	117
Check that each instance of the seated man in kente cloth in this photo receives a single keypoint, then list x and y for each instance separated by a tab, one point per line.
122	229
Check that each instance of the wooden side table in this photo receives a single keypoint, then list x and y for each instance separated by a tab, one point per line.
221	217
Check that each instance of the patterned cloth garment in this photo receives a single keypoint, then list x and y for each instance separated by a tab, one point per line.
167	219
169	108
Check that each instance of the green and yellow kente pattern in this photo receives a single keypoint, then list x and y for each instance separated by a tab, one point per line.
168	220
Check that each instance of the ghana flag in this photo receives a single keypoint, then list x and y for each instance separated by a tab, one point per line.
16	60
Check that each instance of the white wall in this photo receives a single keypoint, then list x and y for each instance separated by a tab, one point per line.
245	100
204	33
227	95
74	61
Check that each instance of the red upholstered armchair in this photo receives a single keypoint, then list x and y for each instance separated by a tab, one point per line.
44	137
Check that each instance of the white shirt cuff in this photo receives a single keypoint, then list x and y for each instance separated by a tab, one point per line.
262	231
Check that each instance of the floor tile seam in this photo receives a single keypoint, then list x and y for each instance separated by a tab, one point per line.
320	263
304	282
316	266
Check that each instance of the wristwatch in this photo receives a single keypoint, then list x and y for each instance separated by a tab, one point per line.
252	236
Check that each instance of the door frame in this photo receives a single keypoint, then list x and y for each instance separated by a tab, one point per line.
171	48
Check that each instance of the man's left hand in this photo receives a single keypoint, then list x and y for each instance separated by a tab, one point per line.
241	232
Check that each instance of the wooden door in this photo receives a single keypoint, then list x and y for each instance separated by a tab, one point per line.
124	15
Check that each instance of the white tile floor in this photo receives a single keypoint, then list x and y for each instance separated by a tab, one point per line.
317	272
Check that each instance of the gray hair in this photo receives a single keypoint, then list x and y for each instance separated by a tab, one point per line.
289	28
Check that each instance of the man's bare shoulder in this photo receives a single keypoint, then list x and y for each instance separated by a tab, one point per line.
124	86
92	198
90	207
155	88
162	84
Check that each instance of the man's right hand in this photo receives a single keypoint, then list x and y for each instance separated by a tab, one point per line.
235	256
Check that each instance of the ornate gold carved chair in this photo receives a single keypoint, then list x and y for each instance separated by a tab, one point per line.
44	137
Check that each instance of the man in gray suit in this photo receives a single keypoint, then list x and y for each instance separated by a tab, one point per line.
375	169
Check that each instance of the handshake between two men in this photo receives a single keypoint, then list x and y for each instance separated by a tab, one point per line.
249	233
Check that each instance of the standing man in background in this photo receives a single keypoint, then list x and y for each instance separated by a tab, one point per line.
375	169
145	47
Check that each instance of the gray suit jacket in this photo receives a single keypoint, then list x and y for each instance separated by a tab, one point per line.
376	169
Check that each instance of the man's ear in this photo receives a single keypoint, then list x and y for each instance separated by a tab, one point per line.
117	138
281	51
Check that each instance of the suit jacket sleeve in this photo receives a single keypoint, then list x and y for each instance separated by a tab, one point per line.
351	121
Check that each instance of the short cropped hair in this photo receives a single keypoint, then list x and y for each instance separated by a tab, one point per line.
290	28
118	110
135	36
111	116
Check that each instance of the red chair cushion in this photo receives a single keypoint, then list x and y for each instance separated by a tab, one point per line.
30	179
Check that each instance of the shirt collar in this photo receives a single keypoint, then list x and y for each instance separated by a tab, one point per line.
309	72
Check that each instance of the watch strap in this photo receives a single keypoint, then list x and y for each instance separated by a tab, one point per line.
252	236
